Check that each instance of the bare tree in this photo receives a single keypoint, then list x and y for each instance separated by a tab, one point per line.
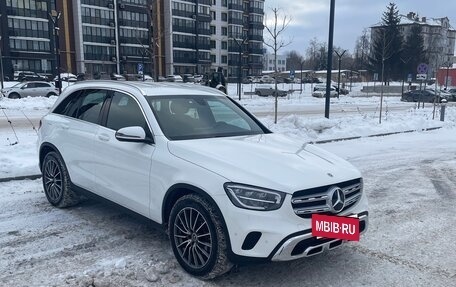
274	39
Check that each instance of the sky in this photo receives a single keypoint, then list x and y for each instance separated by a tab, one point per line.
310	18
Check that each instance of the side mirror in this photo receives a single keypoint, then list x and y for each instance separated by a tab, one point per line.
132	134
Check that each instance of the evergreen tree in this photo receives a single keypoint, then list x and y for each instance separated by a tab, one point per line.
413	53
387	45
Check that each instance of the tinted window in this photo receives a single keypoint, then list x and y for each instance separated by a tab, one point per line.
192	117
42	85
69	106
124	112
29	86
90	107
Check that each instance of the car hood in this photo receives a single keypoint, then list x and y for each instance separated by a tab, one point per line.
270	160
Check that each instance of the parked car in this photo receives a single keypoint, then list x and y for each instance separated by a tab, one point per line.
197	163
117	77
30	89
426	96
188	78
452	92
29	76
66	77
264	90
174	78
198	78
320	91
266	79
343	91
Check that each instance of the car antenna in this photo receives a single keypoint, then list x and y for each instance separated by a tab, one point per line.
11	125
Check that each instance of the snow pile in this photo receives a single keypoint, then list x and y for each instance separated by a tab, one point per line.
314	129
28	103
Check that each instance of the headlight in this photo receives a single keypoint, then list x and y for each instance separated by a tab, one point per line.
256	198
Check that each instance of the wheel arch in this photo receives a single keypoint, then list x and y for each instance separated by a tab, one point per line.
179	190
46	148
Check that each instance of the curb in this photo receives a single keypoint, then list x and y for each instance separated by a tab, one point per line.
372	136
31	177
36	176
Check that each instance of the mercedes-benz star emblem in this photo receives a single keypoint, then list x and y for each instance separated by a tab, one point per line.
336	199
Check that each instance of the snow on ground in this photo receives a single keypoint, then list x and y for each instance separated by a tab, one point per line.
409	180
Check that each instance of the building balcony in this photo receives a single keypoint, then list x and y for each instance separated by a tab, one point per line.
256	10
236	7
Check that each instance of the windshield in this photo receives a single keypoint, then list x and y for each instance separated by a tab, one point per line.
194	117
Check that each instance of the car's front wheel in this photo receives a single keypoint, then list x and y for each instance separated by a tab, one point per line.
14	96
198	238
56	181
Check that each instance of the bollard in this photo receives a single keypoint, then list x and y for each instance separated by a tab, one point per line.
442	110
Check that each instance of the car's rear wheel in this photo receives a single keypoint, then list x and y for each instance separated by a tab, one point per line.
51	94
56	181
198	238
14	96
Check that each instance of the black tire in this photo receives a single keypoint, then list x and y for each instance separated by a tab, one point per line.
51	94
56	182
202	251
14	96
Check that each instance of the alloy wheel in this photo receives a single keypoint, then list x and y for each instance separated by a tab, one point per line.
53	180
192	237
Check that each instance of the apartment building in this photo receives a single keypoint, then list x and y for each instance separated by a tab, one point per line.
439	37
199	36
26	36
112	36
269	62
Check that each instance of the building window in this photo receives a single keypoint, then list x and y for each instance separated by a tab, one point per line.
224	17
213	30
213	44
224	31
224	45
213	15
224	59
213	59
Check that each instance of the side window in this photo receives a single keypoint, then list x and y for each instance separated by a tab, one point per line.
125	112
69	106
42	85
90	107
28	86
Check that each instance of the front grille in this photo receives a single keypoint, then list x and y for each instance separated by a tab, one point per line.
315	200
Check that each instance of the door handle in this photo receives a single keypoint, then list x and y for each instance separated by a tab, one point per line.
103	137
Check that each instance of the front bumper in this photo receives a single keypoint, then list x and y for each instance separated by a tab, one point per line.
278	235
305	245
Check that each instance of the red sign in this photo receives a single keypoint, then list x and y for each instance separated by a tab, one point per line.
346	228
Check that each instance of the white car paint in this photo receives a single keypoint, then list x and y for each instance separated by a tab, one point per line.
138	175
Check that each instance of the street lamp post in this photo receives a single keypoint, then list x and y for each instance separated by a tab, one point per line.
240	46
330	56
55	16
302	64
1	65
340	62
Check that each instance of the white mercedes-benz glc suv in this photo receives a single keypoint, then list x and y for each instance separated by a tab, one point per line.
225	188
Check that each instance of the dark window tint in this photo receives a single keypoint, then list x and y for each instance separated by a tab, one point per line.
29	86
41	85
124	112
90	106
69	106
